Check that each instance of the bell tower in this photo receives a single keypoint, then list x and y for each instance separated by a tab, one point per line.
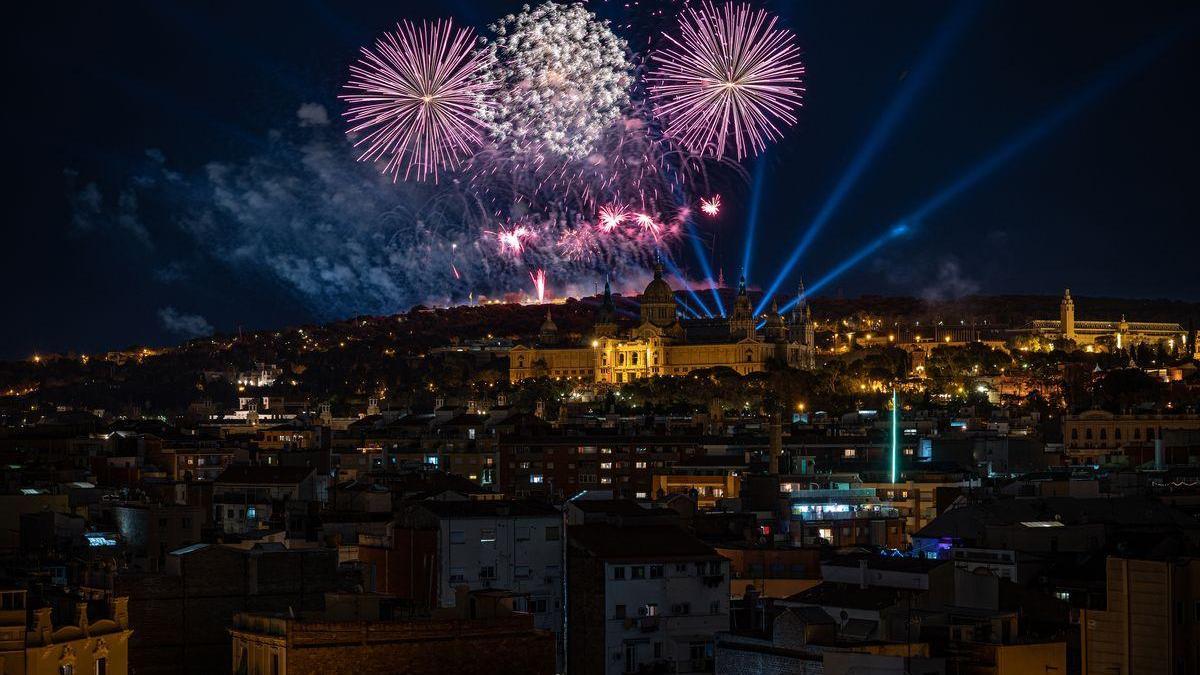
1066	315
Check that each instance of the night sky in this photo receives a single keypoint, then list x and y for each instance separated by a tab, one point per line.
111	102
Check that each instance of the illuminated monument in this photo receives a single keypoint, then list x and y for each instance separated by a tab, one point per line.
1104	334
663	344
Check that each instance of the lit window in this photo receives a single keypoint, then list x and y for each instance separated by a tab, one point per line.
535	478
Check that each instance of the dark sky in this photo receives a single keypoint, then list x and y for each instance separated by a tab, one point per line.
109	98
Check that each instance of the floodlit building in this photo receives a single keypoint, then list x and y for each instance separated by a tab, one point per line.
663	344
40	647
1117	334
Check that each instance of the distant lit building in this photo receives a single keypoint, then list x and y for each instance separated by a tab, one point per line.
1097	436
1118	334
663	344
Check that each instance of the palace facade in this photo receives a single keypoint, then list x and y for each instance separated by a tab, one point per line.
663	344
1104	334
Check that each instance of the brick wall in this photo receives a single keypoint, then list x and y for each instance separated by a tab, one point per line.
181	622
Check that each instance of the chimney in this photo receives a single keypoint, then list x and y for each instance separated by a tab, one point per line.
43	625
81	616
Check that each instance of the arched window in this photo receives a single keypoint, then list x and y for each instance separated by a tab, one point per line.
749	355
1117	433
520	361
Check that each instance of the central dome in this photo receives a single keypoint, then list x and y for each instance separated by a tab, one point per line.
658	300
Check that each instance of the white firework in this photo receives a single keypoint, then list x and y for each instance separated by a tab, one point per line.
563	78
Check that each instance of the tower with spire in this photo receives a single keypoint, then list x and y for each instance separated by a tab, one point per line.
1066	315
606	315
775	330
741	319
548	334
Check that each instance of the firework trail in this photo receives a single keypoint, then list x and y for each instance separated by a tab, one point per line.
729	75
538	278
416	98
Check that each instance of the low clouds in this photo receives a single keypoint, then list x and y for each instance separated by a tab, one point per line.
951	283
312	115
184	325
299	214
90	212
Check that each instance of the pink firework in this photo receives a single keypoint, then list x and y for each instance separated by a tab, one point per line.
414	99
647	224
729	75
512	240
611	216
711	206
539	283
578	244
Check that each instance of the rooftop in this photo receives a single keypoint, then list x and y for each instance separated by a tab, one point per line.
639	544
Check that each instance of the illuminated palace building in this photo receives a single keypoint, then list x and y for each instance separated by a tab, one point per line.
662	344
1104	335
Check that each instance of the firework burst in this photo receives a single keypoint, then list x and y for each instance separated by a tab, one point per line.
611	216
562	77
512	240
729	76
415	99
711	206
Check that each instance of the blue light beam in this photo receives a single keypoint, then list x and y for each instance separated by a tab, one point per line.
1108	79
760	172
896	110
665	256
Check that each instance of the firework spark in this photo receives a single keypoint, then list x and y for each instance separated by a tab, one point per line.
415	98
562	78
611	216
538	278
512	240
711	206
730	75
578	244
647	224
